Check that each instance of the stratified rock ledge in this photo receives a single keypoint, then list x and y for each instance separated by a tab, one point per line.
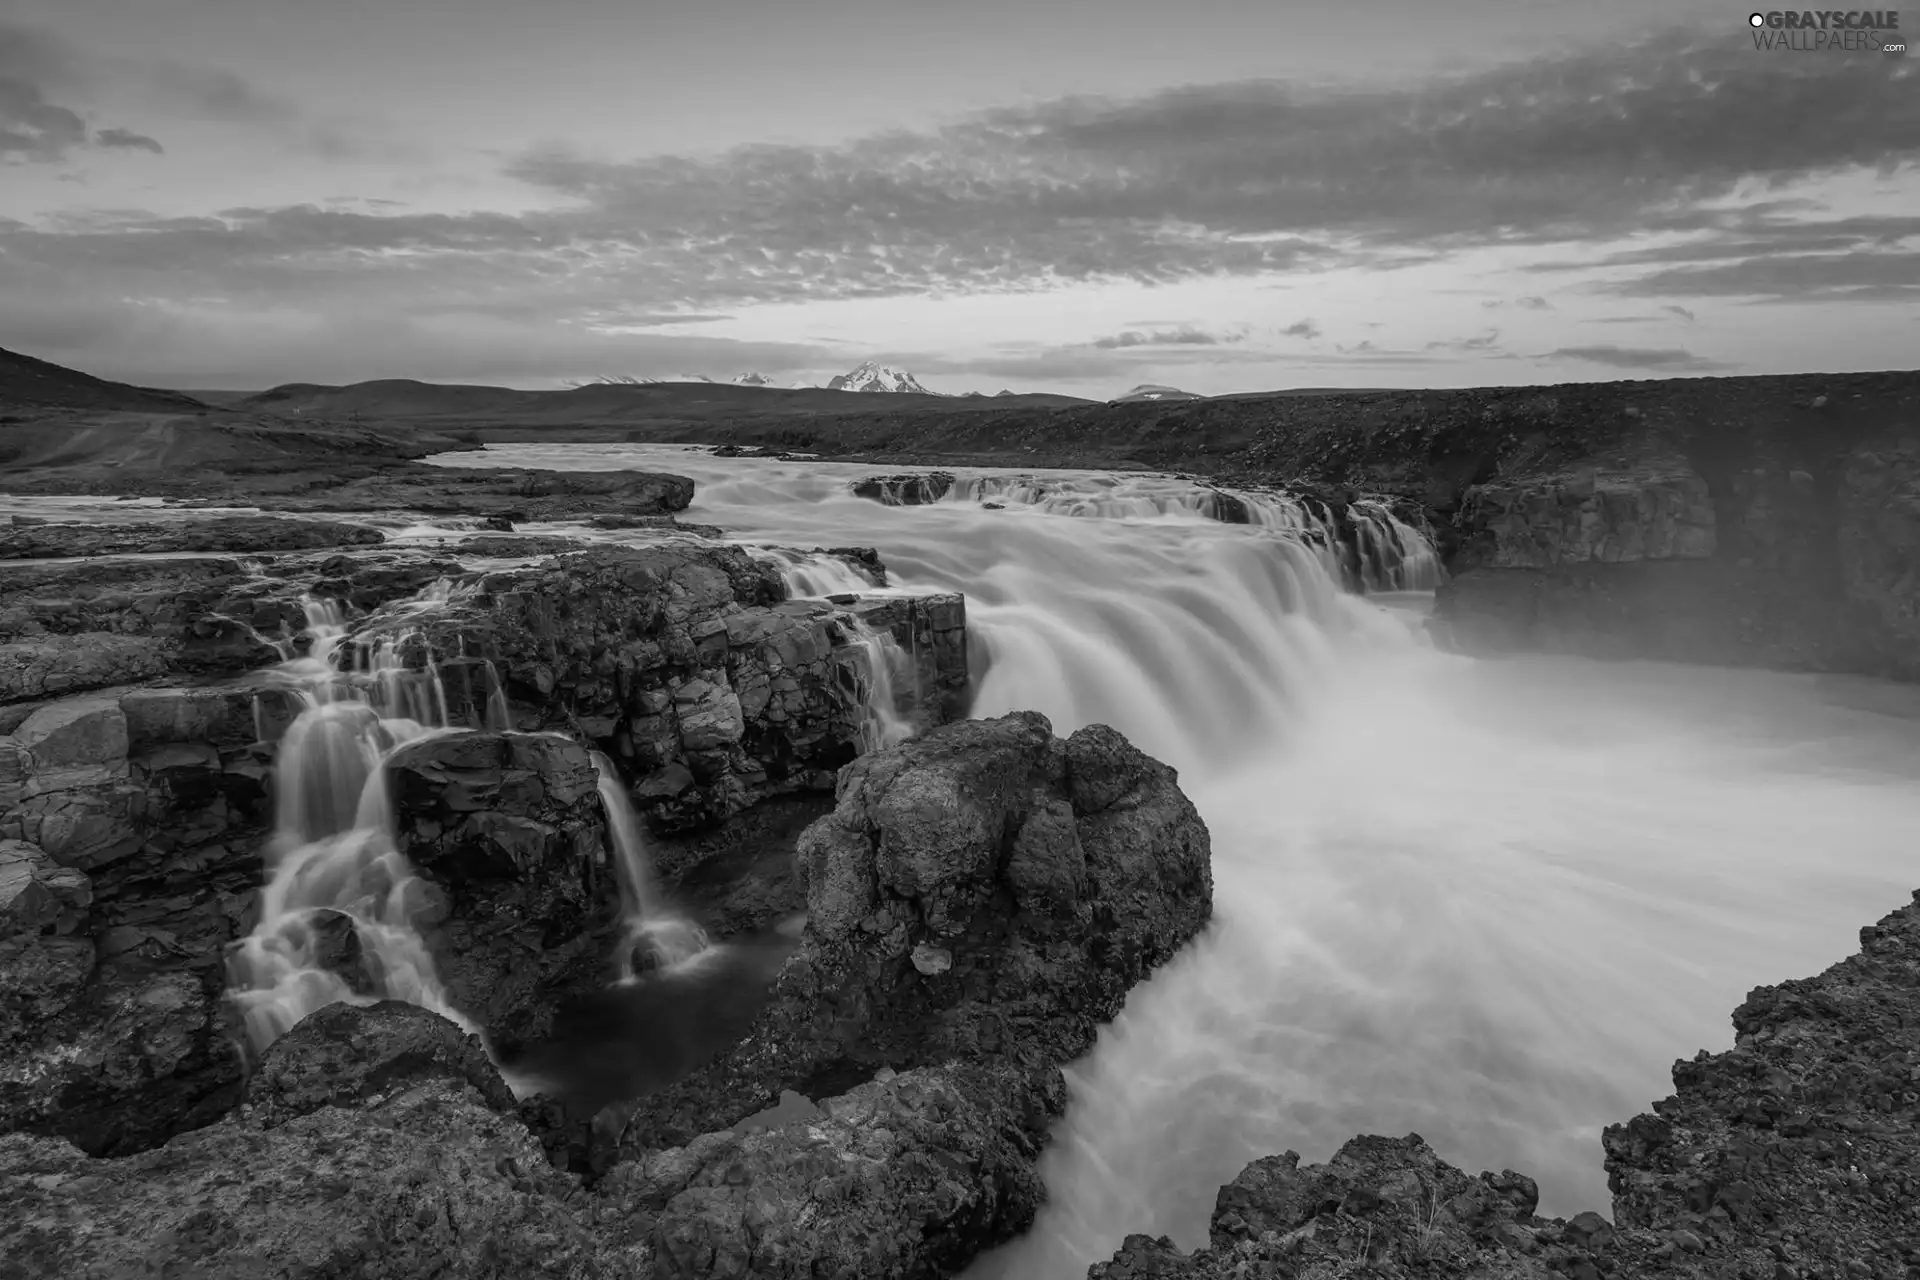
1795	1155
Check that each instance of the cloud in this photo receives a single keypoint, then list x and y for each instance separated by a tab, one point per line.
1302	329
1184	336
1856	276
1487	341
127	139
1205	181
1674	308
1671	359
1531	303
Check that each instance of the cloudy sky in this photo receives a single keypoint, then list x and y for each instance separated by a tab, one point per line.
1068	194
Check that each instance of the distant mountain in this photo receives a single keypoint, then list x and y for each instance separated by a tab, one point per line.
1154	391
872	377
25	381
753	380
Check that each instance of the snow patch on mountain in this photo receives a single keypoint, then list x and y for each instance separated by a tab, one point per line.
874	377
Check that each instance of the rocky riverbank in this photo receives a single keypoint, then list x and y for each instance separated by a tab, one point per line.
979	900
1795	1155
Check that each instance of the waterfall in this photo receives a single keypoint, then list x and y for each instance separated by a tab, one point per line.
333	855
883	724
652	935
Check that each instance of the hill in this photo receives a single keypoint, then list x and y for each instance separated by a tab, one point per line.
596	404
27	383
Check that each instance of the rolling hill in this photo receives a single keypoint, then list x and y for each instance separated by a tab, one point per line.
595	404
27	383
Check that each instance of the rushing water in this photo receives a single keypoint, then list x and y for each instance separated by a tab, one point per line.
1488	902
332	858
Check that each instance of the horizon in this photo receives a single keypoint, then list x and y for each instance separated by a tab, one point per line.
1544	193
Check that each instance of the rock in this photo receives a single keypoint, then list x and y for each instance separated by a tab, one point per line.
424	1180
918	959
197	534
516	546
896	1178
512	828
905	490
46	952
710	689
345	1055
1389	1203
1591	517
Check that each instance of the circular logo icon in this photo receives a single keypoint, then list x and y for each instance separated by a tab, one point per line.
1756	19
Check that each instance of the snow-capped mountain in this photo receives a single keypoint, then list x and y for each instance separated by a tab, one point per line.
752	380
1154	391
879	377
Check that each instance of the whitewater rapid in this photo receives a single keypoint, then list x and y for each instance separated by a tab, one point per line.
1488	902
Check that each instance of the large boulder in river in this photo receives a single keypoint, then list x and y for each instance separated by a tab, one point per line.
410	1168
979	903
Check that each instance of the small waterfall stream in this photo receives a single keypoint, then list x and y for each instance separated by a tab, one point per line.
652	935
332	853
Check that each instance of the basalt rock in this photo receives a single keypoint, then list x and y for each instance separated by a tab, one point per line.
95	624
131	821
1786	537
199	534
689	667
511	829
411	1168
1794	1155
979	903
904	1176
905	490
345	1055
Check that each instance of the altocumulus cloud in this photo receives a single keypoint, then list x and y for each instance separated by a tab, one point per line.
1184	336
33	127
1224	179
1662	358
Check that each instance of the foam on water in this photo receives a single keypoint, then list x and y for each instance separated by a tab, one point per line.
1488	902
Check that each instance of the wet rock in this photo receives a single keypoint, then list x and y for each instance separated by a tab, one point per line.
511	827
197	534
710	690
898	1177
918	958
905	490
1590	517
516	546
346	1055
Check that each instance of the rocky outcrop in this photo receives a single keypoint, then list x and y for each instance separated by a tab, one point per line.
377	1145
1789	538
979	902
1794	1155
908	489
690	668
66	628
130	822
33	540
510	828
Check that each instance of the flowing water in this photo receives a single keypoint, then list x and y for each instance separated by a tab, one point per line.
1486	901
332	858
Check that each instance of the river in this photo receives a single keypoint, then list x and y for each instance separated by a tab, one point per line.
1489	902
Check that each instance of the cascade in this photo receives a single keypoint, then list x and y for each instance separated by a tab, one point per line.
652	935
332	853
1486	901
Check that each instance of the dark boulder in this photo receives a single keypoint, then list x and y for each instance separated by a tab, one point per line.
979	903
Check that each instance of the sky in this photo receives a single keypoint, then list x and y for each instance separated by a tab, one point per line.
1068	195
